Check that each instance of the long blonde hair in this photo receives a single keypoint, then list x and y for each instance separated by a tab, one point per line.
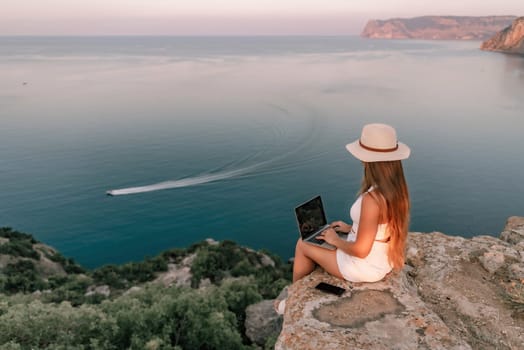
391	193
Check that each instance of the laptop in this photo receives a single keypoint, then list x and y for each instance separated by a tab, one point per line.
311	220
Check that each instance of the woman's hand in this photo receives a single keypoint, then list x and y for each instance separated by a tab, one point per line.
340	226
330	236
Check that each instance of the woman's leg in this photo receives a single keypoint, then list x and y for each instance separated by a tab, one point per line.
308	255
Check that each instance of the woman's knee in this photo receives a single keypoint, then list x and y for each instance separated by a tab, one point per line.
299	245
307	249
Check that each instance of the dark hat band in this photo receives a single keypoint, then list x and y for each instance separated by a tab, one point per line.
378	149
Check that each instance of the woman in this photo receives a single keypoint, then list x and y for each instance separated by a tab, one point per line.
376	241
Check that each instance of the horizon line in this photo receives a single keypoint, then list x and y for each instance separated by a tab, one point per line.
173	35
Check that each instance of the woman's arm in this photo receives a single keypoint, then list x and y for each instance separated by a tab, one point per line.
367	230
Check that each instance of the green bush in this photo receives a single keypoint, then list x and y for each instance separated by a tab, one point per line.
22	277
49	326
153	317
239	294
224	259
175	318
209	263
127	275
70	288
7	232
270	280
243	268
201	321
69	265
109	274
20	244
174	255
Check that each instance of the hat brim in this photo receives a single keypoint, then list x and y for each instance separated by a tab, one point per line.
402	152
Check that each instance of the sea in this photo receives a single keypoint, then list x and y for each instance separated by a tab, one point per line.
221	137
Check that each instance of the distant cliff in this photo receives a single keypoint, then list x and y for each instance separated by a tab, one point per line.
510	39
437	27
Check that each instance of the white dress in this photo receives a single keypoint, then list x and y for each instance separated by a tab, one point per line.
373	267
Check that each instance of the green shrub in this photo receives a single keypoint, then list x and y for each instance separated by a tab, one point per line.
174	255
70	288
49	326
21	245
69	265
209	263
19	248
8	232
154	317
109	274
218	261
201	321
10	346
239	294
271	341
129	274
243	268
22	277
176	318
271	280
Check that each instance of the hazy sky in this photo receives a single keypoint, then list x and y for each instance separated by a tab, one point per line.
222	17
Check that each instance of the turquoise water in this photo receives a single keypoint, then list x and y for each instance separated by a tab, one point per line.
246	127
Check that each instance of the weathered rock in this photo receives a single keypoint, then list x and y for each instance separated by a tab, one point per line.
516	271
437	27
266	260
492	261
178	275
455	284
45	266
510	39
205	283
134	289
454	293
102	290
188	260
262	322
211	241
514	230
383	315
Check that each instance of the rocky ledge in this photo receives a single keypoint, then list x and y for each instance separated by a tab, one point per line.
437	27
510	39
454	293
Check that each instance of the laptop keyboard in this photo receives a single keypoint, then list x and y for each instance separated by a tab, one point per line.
317	241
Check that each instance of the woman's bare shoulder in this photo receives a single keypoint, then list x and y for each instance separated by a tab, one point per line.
375	202
370	203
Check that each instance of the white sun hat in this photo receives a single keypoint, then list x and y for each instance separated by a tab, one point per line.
378	143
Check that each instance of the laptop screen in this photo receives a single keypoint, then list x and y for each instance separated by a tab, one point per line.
310	217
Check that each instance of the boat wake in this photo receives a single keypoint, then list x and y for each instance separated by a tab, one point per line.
190	181
224	174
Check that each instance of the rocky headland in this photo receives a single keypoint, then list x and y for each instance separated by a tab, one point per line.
454	293
437	27
184	298
510	39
